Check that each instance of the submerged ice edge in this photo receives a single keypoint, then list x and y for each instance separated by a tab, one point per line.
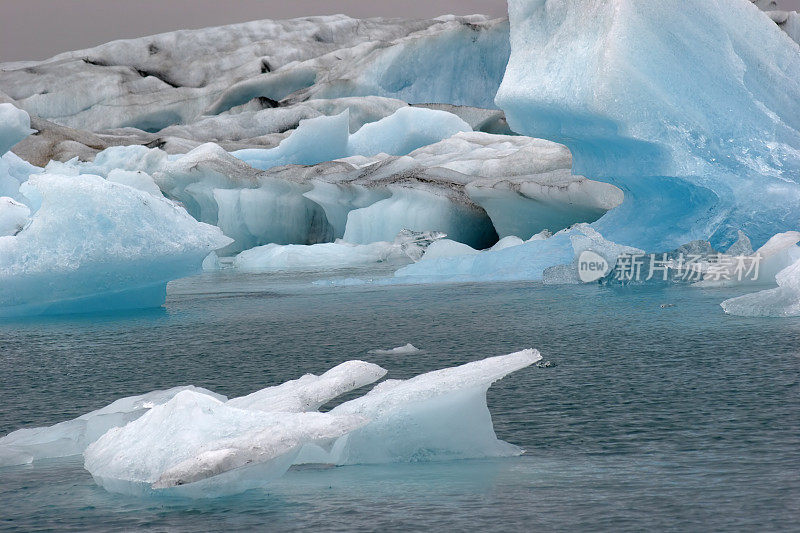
192	442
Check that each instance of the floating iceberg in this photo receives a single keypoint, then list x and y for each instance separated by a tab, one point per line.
514	259
738	267
406	349
191	442
94	245
777	261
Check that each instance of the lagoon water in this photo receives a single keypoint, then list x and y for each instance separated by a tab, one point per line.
652	418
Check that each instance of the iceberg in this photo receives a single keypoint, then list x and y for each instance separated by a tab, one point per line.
543	257
658	111
190	442
738	267
406	349
73	436
407	245
94	245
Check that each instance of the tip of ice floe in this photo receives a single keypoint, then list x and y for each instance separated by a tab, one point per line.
400	350
527	356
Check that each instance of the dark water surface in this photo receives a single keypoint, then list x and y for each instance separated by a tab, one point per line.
678	418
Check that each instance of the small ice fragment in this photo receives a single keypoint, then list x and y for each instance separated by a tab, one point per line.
400	350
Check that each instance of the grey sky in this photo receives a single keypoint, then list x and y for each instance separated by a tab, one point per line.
38	29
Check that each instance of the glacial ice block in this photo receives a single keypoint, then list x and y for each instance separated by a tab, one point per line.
782	301
688	106
439	415
73	436
472	51
407	245
512	260
406	349
94	245
195	445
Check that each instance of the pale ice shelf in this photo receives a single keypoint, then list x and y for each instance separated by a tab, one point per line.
191	442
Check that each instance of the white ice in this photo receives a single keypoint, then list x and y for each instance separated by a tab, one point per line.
514	259
310	392
195	445
783	301
405	247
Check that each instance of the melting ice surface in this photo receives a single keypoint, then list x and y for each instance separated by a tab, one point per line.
192	442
